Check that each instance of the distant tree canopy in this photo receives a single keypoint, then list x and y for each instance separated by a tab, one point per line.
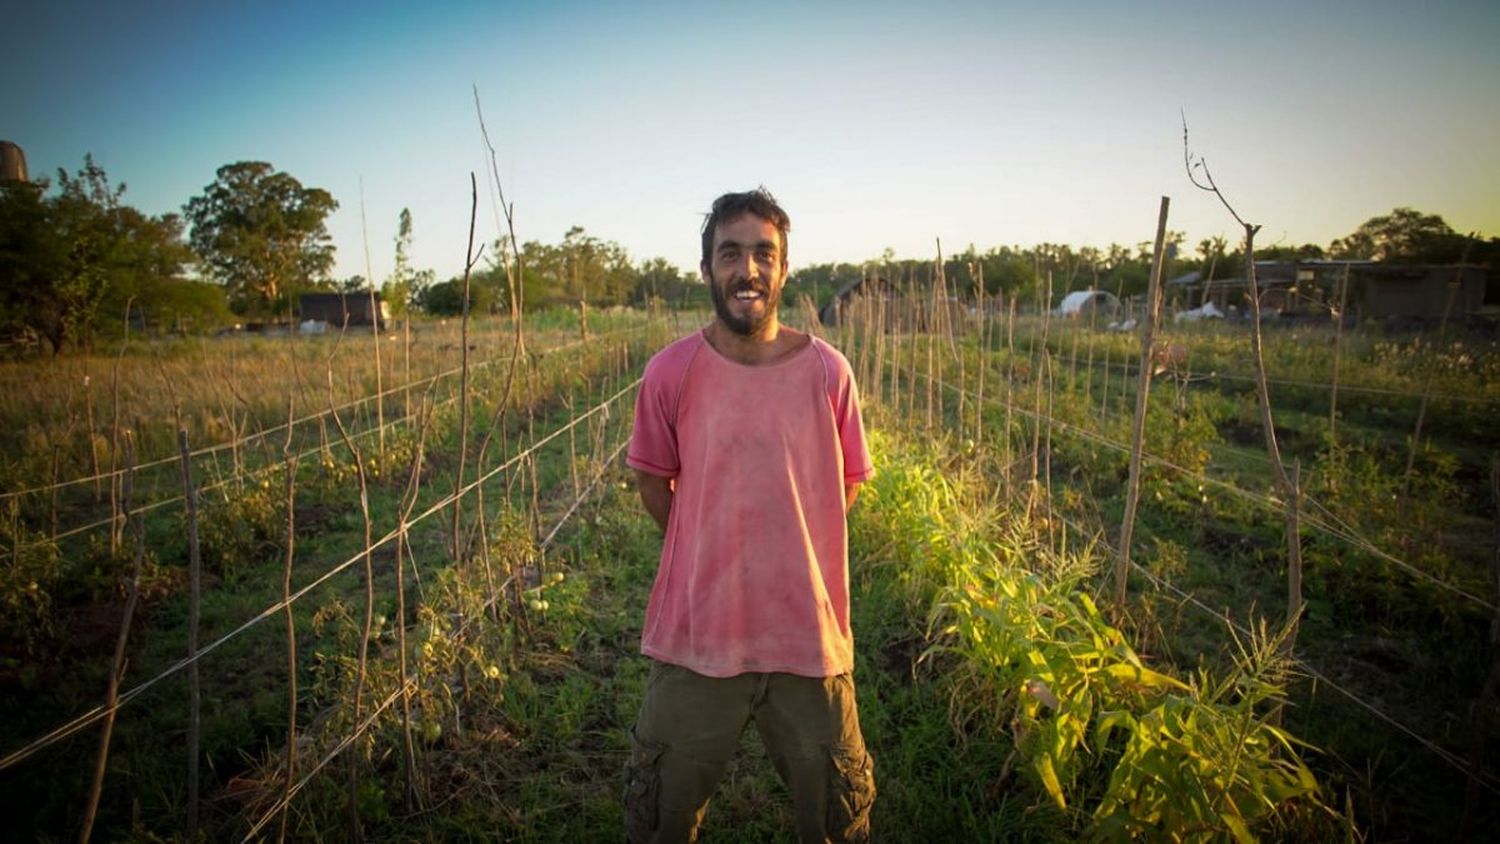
71	262
404	289
581	268
262	235
1403	236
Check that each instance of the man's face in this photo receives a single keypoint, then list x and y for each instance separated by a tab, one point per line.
745	273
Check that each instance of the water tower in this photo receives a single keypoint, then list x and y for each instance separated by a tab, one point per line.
12	163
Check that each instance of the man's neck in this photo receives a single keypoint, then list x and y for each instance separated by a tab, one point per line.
765	346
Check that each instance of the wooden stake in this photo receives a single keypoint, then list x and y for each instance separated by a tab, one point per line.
1143	392
117	664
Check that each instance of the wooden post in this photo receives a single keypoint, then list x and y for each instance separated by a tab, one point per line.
291	623
1416	434
1284	482
374	325
463	395
1143	391
1294	562
117	665
195	592
1338	336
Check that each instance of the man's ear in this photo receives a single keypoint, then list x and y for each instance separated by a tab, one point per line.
708	277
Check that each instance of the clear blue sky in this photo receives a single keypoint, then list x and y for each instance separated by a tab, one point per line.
878	125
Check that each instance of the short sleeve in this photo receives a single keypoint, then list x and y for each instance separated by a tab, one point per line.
653	438
844	396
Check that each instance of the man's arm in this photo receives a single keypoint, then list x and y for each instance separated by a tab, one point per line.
851	491
656	494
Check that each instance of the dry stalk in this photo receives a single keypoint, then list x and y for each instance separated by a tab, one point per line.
195	592
117	664
355	831
981	361
1142	394
117	518
88	403
1416	434
290	463
364	233
1284	482
1010	385
1338	336
412	796
470	258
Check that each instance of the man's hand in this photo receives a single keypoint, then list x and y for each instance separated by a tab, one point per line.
851	491
656	494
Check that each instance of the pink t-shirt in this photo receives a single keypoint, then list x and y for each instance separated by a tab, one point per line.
754	569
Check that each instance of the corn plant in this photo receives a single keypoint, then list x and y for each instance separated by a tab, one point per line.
1196	760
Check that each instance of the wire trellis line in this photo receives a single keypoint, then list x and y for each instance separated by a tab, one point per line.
284	802
1452	760
391	424
250	439
94	715
1345	535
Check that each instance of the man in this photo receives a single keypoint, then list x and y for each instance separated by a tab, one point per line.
748	449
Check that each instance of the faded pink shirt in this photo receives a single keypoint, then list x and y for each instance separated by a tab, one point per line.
754	569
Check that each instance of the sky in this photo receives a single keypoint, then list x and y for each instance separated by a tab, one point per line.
877	125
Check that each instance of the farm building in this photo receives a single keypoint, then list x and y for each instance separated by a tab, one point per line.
339	309
1085	304
895	310
1395	294
851	293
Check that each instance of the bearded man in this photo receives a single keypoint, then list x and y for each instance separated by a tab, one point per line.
749	448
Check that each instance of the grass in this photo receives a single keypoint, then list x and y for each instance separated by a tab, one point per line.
534	752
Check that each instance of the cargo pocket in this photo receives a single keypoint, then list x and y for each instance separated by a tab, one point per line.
851	791
642	789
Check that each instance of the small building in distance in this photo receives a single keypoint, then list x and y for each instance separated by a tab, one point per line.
1087	304
343	309
1395	295
851	294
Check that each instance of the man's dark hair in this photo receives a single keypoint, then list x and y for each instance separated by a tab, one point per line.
759	202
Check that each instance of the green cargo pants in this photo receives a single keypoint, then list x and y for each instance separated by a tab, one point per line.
690	726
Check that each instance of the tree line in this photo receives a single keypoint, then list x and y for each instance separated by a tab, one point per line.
77	262
1404	236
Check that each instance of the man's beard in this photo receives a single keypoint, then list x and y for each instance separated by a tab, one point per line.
745	326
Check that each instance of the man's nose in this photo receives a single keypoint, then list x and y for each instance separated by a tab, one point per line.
748	266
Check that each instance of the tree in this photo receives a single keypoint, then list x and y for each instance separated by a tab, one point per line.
446	298
73	262
261	234
403	289
1404	236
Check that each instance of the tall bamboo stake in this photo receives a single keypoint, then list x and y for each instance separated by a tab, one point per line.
470	258
195	588
117	664
1010	384
356	831
1284	482
1416	434
290	770
1338	336
981	359
1143	392
374	323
